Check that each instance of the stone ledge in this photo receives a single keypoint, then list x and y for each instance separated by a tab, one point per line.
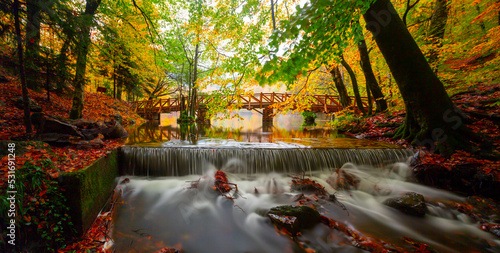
88	190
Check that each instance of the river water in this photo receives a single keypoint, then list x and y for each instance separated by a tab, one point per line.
169	200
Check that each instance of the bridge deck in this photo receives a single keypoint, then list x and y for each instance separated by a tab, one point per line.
320	103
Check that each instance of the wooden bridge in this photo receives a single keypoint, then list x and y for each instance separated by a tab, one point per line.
151	109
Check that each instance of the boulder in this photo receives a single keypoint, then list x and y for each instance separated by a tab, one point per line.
344	180
45	124
83	144
116	131
432	175
34	106
410	203
85	123
55	139
118	118
294	218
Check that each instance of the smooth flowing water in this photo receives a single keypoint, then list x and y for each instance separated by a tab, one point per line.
169	198
159	212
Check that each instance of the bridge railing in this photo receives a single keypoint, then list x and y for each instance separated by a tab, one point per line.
326	103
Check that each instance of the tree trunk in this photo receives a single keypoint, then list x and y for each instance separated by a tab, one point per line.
354	84
22	73
431	118
345	101
371	80
194	91
114	81
81	62
62	69
437	29
32	60
48	71
119	83
369	95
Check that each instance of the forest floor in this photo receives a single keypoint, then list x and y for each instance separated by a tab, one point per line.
480	103
98	107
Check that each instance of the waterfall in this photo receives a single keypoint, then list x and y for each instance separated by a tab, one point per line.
179	161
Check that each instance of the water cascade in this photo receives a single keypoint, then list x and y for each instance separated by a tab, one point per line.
169	198
180	161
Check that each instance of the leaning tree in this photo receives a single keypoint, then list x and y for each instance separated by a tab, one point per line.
321	29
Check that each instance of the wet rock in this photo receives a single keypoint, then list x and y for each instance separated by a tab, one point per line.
294	218
34	106
115	132
432	174
471	179
168	250
343	180
307	185
492	228
484	209
410	203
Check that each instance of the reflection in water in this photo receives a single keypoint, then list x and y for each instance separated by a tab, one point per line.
286	129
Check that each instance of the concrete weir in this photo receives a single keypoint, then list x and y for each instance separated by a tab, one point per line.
88	190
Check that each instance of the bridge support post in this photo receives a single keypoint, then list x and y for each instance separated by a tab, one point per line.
202	115
267	115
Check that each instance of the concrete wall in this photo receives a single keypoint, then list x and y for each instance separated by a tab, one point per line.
88	190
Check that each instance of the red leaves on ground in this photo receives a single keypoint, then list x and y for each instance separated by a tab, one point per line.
97	107
95	238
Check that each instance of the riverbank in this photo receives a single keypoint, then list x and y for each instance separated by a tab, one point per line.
462	172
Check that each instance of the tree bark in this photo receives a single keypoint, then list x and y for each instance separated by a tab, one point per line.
437	28
354	82
431	119
345	101
62	69
369	95
32	60
81	62
371	80
194	91
22	73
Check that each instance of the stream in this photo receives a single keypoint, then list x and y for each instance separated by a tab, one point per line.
168	198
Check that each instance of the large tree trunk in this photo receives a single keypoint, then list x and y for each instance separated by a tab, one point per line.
32	60
354	82
437	29
371	80
62	68
431	119
81	62
22	73
345	101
